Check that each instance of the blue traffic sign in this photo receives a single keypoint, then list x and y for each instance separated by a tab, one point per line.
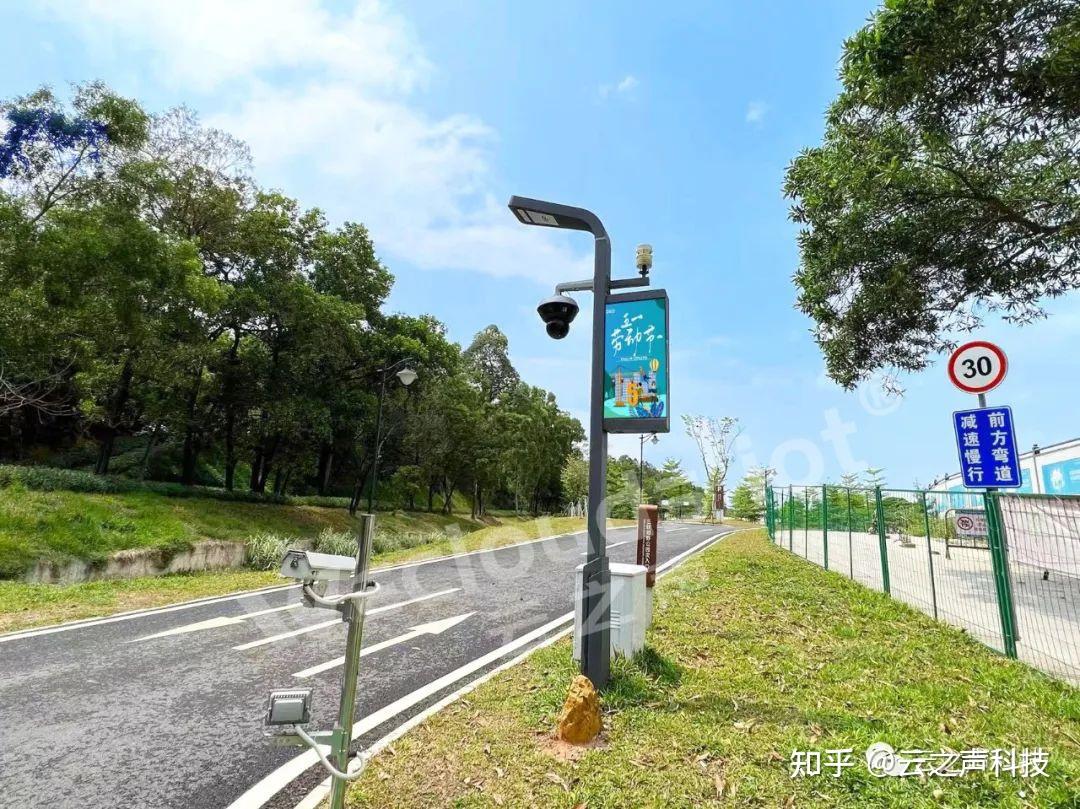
986	441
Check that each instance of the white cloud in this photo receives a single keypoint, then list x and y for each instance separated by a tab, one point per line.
209	42
756	111
625	87
331	95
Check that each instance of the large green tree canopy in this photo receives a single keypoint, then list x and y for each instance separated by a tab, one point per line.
163	316
948	182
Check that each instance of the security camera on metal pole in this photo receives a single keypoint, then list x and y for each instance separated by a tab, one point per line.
629	361
292	707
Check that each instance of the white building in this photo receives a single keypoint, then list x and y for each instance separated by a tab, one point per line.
1046	470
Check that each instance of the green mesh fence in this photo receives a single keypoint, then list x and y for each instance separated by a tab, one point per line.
1004	567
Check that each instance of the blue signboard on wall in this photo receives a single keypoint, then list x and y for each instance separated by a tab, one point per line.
1062	477
1025	482
986	442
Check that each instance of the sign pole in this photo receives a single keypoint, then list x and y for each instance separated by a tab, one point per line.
977	367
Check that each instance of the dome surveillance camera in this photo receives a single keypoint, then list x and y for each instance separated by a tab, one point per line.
558	312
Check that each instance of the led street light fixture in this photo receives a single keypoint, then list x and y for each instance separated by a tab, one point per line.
289	707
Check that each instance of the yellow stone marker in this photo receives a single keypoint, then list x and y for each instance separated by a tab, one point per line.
579	720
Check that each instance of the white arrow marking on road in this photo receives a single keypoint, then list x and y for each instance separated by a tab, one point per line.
260	793
433	628
214	623
315	627
617	544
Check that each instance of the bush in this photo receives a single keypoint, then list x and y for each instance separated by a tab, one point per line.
386	542
264	551
342	543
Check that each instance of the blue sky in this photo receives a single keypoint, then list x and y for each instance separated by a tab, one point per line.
674	122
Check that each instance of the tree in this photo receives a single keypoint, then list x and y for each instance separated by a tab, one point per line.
745	503
155	299
946	185
873	477
575	479
488	360
757	479
715	439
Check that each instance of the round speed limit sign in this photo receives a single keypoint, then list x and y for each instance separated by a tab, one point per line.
977	367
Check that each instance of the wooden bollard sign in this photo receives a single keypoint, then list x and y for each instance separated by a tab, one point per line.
648	522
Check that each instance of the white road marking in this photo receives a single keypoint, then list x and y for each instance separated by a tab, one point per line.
215	623
260	793
317	795
670	563
127	616
201	602
432	628
492	550
320	793
335	621
268	787
615	545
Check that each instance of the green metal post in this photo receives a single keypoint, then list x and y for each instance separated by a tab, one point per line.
825	522
806	522
850	554
929	553
996	537
791	522
879	509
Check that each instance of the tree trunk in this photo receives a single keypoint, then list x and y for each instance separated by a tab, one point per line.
326	463
191	442
230	448
448	496
266	463
116	410
256	467
431	496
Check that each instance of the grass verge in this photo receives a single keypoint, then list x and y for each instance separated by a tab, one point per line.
62	525
753	654
23	605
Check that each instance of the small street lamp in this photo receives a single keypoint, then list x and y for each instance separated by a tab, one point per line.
406	376
653	439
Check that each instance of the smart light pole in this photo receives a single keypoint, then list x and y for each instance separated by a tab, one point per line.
595	606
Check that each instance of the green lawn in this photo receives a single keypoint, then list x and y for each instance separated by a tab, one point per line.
59	525
753	654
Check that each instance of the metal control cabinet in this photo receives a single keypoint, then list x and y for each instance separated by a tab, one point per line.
629	609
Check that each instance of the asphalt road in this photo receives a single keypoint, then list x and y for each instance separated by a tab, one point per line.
164	708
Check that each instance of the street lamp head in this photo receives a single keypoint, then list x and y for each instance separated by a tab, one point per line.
553	215
655	438
407	376
558	312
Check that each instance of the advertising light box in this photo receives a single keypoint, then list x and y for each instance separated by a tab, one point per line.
636	363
